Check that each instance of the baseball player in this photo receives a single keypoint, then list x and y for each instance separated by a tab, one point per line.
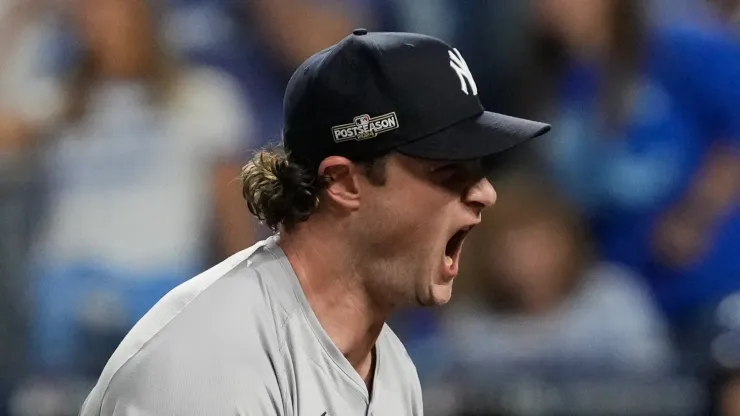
381	176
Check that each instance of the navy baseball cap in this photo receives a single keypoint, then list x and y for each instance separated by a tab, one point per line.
377	92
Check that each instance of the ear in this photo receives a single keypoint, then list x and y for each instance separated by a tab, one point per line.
343	186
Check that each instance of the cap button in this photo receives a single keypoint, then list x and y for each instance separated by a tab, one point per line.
359	32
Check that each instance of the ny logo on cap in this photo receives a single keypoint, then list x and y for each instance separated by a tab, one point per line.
463	72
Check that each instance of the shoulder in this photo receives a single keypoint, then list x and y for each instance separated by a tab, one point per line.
613	288
614	277
215	335
208	85
211	103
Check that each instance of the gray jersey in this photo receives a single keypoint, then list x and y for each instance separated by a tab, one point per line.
241	339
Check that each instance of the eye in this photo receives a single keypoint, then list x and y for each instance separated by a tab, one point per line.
446	168
457	176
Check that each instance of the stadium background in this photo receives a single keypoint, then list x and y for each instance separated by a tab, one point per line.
605	282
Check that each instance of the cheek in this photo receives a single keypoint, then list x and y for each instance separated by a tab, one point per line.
405	237
407	222
407	231
422	223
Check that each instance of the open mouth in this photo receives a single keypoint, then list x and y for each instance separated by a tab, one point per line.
454	246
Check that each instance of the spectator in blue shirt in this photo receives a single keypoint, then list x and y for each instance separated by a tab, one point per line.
648	144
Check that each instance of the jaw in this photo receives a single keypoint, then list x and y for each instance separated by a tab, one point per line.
434	294
441	294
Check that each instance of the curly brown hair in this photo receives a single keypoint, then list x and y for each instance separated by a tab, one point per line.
282	193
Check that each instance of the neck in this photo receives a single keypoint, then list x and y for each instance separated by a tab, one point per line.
336	292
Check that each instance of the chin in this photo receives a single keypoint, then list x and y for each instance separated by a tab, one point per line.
438	295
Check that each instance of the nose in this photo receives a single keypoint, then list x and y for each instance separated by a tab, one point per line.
481	194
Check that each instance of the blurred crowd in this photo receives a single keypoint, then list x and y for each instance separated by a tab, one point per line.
606	280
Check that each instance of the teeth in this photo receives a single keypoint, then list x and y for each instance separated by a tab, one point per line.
448	261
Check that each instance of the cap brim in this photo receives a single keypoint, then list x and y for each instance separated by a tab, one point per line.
486	135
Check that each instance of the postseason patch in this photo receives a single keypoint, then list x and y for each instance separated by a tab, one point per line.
365	127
